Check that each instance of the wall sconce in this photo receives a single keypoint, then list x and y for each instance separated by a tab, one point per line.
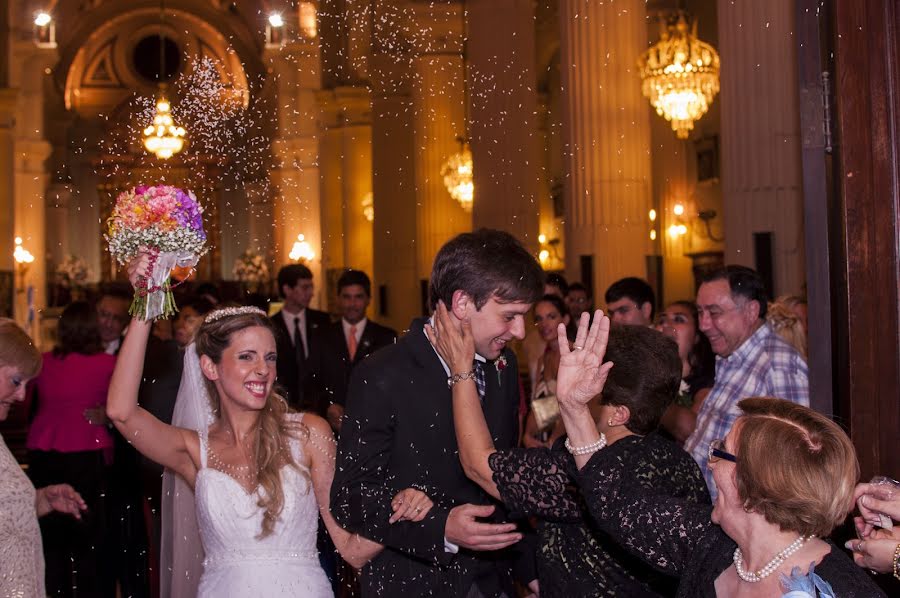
23	259
368	206
548	250
678	228
302	250
275	31
652	216
44	30
309	28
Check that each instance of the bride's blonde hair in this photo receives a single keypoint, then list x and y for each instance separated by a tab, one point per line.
274	431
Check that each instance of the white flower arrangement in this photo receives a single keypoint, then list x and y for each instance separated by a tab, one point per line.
72	272
251	269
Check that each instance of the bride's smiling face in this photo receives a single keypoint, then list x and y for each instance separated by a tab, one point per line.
246	373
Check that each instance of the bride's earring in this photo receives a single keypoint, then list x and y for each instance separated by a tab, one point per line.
609	422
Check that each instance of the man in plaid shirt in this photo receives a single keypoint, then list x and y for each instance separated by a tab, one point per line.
751	359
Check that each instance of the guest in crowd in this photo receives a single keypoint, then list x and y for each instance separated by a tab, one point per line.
878	527
788	323
534	345
785	475
69	443
679	321
578	300
190	316
751	359
21	551
299	337
574	559
112	317
348	341
542	425
630	301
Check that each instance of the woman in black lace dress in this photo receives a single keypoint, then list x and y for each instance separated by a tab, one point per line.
785	476
575	558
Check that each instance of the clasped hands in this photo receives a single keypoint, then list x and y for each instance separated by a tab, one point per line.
876	546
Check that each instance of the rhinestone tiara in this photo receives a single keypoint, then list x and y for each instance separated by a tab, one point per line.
227	312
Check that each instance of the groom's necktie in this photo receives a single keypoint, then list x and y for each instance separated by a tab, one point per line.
478	366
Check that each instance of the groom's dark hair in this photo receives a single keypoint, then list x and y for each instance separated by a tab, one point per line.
485	263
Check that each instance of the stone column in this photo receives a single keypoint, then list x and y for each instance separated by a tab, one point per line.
346	165
438	119
295	176
606	134
504	111
761	170
8	98
394	151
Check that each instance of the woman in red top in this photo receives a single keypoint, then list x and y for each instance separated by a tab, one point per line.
69	442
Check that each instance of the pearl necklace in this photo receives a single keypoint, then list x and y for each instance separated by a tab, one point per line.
771	566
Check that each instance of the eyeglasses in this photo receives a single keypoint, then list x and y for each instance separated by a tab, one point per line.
717	451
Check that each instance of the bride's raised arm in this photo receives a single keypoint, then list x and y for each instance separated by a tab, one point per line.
169	446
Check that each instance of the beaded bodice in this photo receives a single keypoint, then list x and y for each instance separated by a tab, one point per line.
230	519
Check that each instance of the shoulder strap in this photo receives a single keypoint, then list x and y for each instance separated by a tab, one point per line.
202	435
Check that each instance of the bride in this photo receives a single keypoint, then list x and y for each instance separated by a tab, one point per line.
261	474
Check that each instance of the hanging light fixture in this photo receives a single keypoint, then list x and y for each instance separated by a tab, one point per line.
457	174
163	138
458	170
680	74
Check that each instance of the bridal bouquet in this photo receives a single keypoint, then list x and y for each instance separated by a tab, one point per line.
166	220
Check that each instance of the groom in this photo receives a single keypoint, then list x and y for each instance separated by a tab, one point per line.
398	432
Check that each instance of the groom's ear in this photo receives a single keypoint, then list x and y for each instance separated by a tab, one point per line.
460	304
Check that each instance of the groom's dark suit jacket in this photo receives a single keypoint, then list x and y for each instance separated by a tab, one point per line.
398	433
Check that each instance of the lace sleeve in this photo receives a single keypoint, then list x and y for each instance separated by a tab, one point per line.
661	530
535	482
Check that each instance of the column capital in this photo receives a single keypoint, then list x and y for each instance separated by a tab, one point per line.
436	28
30	155
345	106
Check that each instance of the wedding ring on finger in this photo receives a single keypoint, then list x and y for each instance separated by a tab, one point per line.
418	510
577	347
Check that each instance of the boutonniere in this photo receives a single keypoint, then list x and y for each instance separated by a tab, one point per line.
684	398
500	364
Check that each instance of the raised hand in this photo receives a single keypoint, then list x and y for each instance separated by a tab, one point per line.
582	373
455	346
59	497
410	505
140	268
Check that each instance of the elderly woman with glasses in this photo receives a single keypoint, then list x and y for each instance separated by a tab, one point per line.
785	476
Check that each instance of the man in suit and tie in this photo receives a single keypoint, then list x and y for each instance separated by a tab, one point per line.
299	339
349	340
398	432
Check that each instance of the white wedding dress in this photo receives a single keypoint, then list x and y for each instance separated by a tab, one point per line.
238	564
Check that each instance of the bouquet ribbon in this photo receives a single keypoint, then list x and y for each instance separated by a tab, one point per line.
155	301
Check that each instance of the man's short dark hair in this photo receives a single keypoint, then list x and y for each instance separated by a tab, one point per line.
351	277
577	286
557	280
116	291
632	288
646	375
485	263
290	274
744	282
77	330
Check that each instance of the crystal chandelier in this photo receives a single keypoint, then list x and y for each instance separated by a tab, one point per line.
163	137
680	74
457	175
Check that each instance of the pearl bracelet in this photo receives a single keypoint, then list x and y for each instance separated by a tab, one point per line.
897	562
588	448
470	375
